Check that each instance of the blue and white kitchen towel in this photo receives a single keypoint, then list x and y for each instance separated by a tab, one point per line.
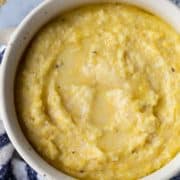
12	166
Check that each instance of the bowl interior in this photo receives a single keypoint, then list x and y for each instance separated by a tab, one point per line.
24	33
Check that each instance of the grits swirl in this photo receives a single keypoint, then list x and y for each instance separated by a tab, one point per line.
98	92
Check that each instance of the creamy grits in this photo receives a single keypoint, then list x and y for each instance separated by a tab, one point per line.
98	92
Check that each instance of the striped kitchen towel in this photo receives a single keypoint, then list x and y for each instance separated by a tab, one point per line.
12	166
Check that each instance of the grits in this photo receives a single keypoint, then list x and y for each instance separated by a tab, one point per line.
98	92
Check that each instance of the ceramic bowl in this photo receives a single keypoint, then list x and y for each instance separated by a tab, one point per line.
15	48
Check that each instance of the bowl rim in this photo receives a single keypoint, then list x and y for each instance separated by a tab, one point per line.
17	138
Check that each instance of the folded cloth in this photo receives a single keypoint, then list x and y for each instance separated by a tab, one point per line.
12	166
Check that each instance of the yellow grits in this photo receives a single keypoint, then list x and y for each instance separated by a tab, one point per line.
98	92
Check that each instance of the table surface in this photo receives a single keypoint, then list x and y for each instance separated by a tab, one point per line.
14	11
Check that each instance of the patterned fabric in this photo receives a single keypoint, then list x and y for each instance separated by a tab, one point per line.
12	166
177	2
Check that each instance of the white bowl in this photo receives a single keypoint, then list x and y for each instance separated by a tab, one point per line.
17	44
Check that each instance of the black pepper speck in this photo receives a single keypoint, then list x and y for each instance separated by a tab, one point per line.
172	69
